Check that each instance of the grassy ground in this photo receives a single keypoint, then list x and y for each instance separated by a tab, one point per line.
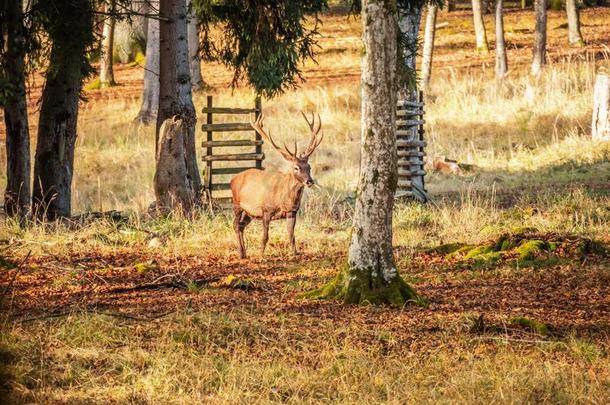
512	256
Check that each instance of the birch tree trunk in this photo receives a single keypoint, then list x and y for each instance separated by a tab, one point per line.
175	93
574	35
429	35
600	124
539	54
150	94
479	26
194	59
54	162
501	62
17	193
371	276
106	71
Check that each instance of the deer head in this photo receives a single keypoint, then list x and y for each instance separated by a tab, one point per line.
301	170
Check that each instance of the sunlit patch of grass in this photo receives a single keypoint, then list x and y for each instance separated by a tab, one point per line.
235	357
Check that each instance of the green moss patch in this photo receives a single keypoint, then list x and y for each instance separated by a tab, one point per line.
530	324
523	247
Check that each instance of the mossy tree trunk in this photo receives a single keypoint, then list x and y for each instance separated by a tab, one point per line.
150	94
574	34
106	65
501	62
371	275
429	35
479	26
539	53
175	92
17	193
54	161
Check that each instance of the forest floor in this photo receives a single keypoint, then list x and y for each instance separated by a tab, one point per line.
513	256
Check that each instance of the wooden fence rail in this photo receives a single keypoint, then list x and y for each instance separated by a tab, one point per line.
211	157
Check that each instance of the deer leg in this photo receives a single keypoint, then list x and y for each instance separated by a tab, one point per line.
291	221
240	222
266	221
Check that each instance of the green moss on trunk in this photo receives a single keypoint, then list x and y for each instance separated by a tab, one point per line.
367	287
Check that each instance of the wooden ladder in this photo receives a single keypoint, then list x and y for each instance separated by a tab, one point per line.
211	159
410	146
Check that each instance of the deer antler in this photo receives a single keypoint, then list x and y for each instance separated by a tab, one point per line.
286	153
314	142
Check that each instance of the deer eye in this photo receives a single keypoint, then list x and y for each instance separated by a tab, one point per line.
297	169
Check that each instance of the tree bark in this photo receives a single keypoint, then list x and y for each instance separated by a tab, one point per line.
409	21
479	26
501	61
173	187
106	71
574	34
429	35
600	123
150	94
539	59
54	162
175	93
194	59
17	193
371	276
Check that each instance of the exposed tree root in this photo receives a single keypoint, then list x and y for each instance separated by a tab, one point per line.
366	287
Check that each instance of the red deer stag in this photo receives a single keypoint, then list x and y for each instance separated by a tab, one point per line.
270	195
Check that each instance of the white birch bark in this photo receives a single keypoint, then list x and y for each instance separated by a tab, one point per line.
479	26
501	61
574	34
429	35
600	123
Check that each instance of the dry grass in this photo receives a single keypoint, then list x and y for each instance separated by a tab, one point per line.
535	167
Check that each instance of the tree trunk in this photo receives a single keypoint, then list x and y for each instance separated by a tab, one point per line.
129	34
173	188
479	26
150	94
429	34
408	23
17	194
54	162
371	276
539	59
106	71
574	35
600	124
194	59
175	93
501	63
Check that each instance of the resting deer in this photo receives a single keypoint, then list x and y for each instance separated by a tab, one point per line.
268	195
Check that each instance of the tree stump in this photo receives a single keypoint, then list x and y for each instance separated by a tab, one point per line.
173	185
600	123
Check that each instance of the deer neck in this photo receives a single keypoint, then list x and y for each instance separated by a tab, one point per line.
295	192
